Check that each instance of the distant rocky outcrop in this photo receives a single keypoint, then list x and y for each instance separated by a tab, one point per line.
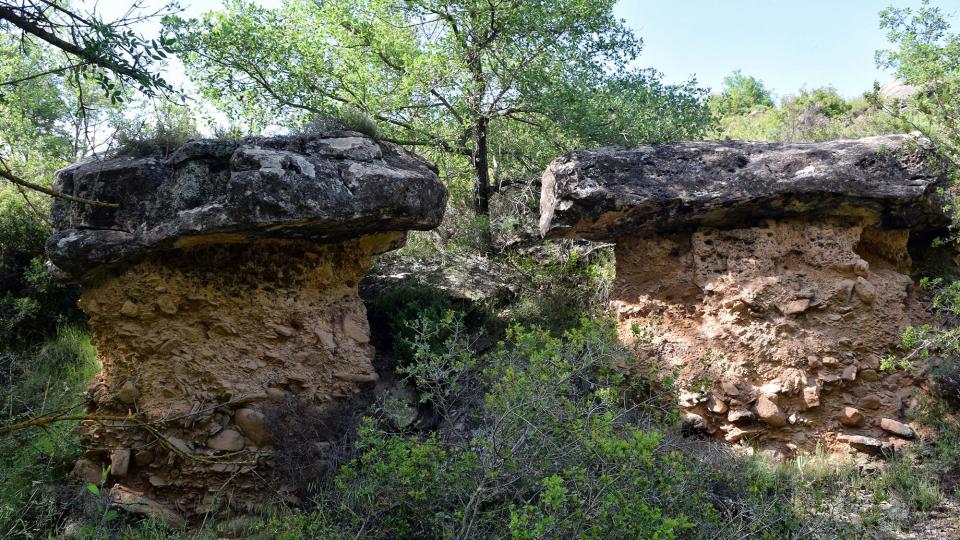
226	280
772	277
897	90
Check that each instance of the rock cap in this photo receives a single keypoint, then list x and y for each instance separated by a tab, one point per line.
325	187
602	193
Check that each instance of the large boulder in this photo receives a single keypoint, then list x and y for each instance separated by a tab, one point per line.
768	276
602	193
323	188
222	291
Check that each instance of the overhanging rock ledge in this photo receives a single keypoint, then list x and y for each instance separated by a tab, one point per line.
771	278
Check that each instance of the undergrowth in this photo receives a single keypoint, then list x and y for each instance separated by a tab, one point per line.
35	499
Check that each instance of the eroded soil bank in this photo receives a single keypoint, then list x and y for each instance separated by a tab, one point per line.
777	331
197	341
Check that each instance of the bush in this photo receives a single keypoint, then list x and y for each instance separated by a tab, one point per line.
32	304
345	118
557	445
556	294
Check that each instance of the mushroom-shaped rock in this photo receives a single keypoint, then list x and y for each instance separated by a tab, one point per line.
785	264
227	270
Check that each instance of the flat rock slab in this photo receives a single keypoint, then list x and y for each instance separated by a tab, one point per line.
324	187
602	193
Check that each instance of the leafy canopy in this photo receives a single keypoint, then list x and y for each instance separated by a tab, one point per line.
479	86
741	94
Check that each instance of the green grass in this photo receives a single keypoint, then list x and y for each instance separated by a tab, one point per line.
34	463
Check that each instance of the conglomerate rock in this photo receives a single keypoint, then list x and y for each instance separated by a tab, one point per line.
772	277
226	280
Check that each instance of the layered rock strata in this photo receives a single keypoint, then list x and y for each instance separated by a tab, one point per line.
224	280
772	278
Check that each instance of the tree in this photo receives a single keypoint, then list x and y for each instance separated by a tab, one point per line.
926	55
66	47
496	85
824	100
741	94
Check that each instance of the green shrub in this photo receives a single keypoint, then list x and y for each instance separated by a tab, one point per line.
345	118
557	445
556	294
403	306
32	304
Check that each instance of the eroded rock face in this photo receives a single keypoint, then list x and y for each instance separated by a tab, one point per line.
235	288
773	294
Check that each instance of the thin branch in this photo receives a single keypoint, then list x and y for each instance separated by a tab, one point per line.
37	187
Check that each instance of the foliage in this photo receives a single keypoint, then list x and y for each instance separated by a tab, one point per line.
51	58
402	306
160	130
33	498
741	94
556	293
32	304
926	55
109	52
491	90
811	116
824	100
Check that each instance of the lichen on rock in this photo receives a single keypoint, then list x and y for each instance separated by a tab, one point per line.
771	278
226	280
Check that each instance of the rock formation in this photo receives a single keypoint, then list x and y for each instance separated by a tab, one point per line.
225	278
772	278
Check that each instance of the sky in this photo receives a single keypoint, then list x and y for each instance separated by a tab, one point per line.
788	44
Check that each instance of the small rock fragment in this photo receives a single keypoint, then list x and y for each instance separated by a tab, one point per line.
795	307
716	405
851	417
129	309
693	423
865	291
849	374
862	443
769	412
739	415
120	462
86	471
228	440
356	377
870	402
811	396
897	428
127	393
167	304
253	424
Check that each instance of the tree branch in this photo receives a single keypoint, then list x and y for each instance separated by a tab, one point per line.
37	187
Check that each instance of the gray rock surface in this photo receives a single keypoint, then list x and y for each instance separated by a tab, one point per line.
898	90
325	187
602	193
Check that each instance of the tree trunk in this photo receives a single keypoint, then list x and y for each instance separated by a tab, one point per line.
481	166
481	188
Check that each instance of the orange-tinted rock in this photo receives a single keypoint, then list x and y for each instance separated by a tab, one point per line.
851	417
769	412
